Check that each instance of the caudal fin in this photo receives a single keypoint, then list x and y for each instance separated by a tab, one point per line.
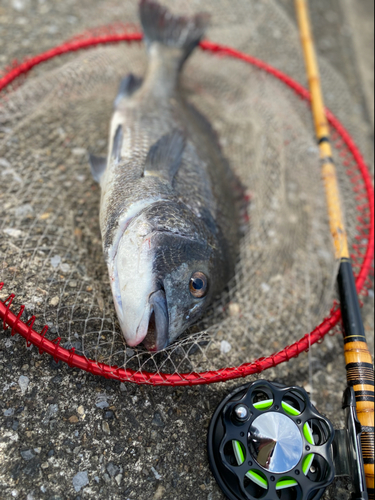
159	25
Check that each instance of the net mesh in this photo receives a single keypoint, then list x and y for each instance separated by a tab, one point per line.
50	246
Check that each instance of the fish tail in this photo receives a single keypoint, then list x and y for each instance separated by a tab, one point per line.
180	32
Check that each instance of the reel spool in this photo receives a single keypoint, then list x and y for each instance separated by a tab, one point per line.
267	441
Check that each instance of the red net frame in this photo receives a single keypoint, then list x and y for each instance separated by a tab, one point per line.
363	247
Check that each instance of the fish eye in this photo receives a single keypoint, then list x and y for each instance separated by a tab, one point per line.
198	285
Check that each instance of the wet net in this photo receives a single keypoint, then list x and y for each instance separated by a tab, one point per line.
55	288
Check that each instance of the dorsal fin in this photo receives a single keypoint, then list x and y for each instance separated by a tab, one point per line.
164	158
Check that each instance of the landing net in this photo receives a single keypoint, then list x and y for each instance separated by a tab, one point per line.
55	289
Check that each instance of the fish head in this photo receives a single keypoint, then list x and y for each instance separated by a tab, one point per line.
185	270
162	282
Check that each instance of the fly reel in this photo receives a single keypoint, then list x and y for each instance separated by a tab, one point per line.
267	441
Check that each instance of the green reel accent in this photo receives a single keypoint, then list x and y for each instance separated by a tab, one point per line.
307	462
290	409
263	405
307	432
257	479
266	404
284	483
238	452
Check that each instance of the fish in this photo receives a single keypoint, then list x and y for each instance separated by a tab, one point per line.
169	199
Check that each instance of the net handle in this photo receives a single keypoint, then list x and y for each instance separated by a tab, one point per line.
74	360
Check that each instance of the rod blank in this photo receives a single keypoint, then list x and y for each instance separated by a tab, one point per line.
360	372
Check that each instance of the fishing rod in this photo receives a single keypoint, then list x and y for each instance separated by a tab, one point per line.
266	440
359	368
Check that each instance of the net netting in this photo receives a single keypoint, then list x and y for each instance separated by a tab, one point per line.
50	246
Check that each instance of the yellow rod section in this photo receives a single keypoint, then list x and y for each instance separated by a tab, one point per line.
322	132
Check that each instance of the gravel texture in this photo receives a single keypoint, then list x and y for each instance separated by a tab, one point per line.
65	434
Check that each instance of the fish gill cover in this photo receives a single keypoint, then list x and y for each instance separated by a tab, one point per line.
50	244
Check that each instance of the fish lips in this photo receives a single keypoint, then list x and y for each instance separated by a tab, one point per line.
142	310
157	338
153	329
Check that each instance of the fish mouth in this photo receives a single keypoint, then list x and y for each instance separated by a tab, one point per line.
158	326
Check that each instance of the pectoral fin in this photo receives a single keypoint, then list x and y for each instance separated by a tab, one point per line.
165	156
98	165
117	144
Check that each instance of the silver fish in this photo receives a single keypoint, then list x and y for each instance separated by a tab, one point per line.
169	212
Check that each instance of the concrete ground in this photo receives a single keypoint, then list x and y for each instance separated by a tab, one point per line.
65	434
